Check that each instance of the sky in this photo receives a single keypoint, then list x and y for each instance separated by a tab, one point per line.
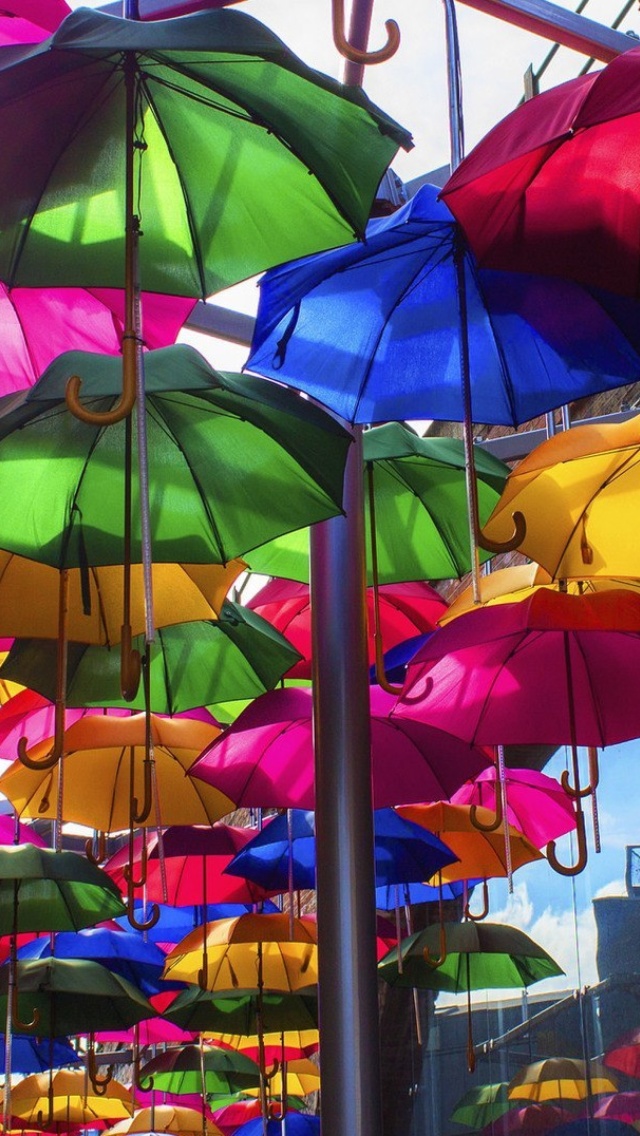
412	88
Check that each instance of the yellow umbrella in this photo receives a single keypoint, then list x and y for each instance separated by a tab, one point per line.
560	1078
105	775
578	493
302	1078
511	585
67	1097
303	1040
165	1118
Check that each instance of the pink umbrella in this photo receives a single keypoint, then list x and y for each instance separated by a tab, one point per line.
537	805
267	755
619	1106
30	715
406	610
38	324
624	1054
41	19
530	1120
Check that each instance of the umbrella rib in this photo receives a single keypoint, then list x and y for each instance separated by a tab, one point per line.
389	468
592	690
497	341
517	646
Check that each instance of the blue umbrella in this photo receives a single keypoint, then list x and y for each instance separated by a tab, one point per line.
293	1124
403	851
176	922
32	1055
392	896
372	330
126	953
593	1126
396	658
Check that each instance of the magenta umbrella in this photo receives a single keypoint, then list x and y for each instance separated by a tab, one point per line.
38	324
405	610
21	25
530	1120
267	755
552	669
624	1054
537	805
619	1106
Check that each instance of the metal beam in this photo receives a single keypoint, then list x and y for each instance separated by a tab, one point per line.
551	22
223	323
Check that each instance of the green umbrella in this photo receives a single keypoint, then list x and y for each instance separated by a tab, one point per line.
200	1069
238	1013
239	655
482	1104
461	957
42	890
419	510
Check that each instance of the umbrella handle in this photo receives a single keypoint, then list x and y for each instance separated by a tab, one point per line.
491	825
140	925
128	869
594	778
145	1086
356	54
203	973
512	543
15	1017
140	817
130	665
125	403
581	862
485	906
46	763
99	1084
95	848
436	962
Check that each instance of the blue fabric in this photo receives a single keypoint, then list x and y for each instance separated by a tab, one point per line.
296	1124
396	658
32	1055
124	952
372	330
176	922
403	851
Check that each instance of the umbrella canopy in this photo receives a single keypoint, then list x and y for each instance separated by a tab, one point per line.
521	203
480	956
225	112
193	664
265	759
231	1116
239	1013
74	996
283	853
588	476
302	1078
511	585
405	610
481	1105
373	331
560	1078
42	890
99	755
295	1123
248	953
530	1120
619	1106
40	323
211	1071
624	1054
537	805
201	429
72	1098
519	652
124	952
189	864
166	1118
30	1055
418	489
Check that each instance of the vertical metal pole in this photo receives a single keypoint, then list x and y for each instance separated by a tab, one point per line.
348	990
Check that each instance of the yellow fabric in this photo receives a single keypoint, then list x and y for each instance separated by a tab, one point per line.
74	1099
291	1039
303	1077
235	961
96	780
513	585
165	1118
559	1078
181	593
577	492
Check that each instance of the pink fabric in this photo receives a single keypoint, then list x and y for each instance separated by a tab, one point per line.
499	675
152	1031
265	759
537	805
406	610
30	715
38	324
553	188
619	1106
32	24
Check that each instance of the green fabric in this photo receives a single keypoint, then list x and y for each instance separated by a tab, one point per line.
420	502
233	461
56	891
192	664
250	158
180	1071
200	1010
480	956
482	1105
74	996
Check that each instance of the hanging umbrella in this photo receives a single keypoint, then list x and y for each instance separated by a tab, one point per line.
479	956
560	1078
294	1123
558	668
373	331
283	854
231	1116
176	922
405	610
415	510
237	1013
124	952
265	759
279	1045
42	890
537	805
624	1054
521	202
73	1100
193	1069
302	1077
623	1106
31	1055
165	1118
594	1126
190	664
588	477
188	863
481	1105
530	1120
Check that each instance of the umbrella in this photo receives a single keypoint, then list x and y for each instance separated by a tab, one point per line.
176	922
530	1120
537	805
293	1123
238	1013
283	854
521	203
624	1054
560	1078
415	502
619	1106
193	1069
588	477
301	1075
231	1116
374	331
478	956
405	610
594	1126
481	1105
42	890
69	1099
30	1055
188	863
165	1118
124	952
265	759
559	670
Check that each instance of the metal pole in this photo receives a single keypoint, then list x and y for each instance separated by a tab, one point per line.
348	990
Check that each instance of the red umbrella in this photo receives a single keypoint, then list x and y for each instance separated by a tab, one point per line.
554	187
537	805
267	755
619	1106
624	1054
406	610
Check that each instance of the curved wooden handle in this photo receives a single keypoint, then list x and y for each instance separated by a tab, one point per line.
491	825
485	906
125	403
513	542
19	1025
130	665
46	763
356	54
139	817
99	843
141	925
436	962
581	862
